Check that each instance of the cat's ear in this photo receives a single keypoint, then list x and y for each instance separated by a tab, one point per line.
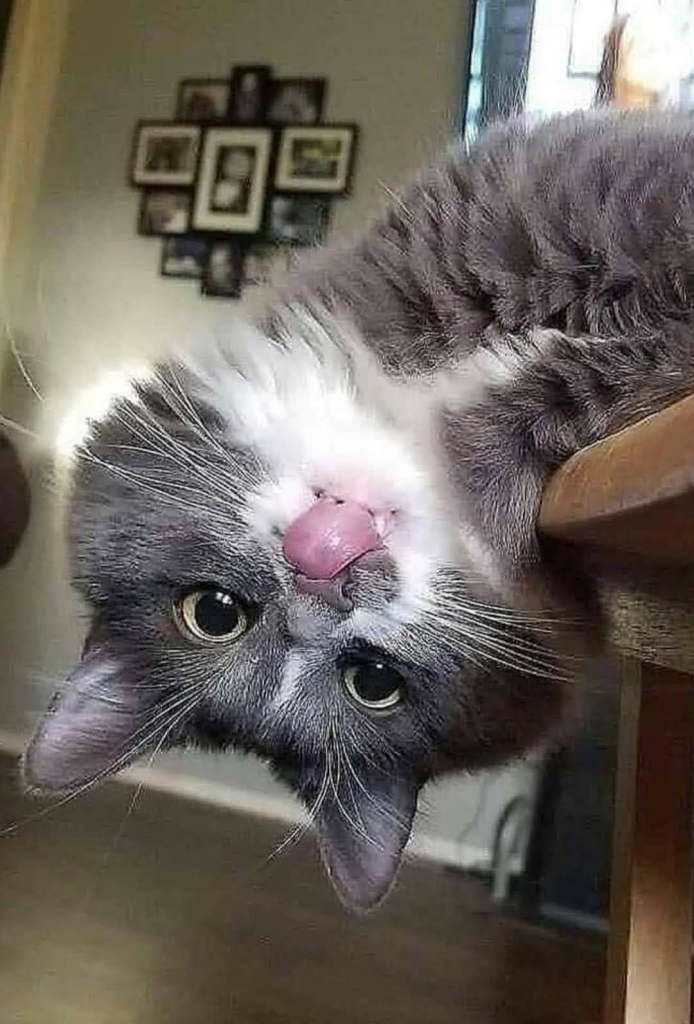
363	827
92	728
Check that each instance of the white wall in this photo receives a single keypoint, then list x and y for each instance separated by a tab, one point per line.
95	297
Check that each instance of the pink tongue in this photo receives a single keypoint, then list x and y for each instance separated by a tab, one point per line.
327	537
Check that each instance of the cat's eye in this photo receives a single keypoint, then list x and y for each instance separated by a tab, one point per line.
211	615
373	683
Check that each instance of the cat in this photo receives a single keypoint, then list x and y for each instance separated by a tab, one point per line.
315	540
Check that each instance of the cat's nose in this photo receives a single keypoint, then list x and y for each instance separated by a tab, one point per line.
329	536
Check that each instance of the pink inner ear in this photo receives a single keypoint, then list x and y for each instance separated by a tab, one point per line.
329	536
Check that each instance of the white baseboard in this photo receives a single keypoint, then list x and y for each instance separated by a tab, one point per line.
463	856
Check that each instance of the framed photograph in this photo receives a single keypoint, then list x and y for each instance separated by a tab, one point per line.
249	93
298	219
316	159
223	272
262	263
230	192
184	256
258	264
202	99
295	100
164	211
165	153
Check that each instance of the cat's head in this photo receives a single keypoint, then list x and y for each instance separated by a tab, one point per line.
273	561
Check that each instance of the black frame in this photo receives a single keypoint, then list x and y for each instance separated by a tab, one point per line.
237	72
135	148
187	82
239	249
319	85
183	277
159	190
317	128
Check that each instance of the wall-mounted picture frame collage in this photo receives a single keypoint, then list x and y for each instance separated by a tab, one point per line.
245	172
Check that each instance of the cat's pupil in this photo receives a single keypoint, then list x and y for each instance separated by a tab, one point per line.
216	613
375	682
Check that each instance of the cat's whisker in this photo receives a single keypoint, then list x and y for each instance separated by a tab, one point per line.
300	830
161	436
140	786
388	812
202	507
473	647
429	632
198	427
527	652
9	424
21	365
210	473
355	826
450	597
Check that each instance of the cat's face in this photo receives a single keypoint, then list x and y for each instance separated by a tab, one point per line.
273	562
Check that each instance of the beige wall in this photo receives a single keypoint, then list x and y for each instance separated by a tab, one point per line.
94	296
394	66
31	66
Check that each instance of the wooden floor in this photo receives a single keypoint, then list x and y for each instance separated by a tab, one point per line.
172	916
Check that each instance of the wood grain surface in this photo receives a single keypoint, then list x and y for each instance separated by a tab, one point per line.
171	914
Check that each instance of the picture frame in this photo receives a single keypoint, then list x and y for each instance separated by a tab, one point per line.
264	262
222	275
297	219
248	93
258	264
203	99
164	211
316	159
296	100
232	180
184	256
164	153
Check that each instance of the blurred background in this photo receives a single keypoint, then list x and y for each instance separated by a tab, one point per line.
154	900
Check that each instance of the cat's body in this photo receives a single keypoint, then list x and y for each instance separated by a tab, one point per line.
349	507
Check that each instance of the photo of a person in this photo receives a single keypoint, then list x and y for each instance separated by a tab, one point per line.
223	272
201	99
258	265
298	220
165	153
232	179
296	100
265	264
164	212
248	94
168	154
185	256
230	188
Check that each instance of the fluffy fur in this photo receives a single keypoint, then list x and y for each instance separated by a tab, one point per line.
522	301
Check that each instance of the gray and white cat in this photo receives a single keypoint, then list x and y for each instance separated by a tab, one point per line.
316	541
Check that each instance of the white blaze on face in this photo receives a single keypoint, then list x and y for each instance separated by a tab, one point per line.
291	673
324	418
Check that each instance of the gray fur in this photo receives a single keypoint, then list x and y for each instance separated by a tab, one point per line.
552	268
